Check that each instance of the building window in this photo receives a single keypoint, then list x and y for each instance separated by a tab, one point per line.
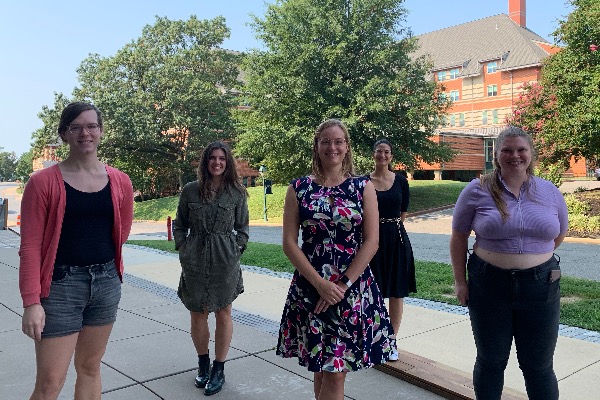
489	150
443	120
454	95
492	67
494	116
492	90
441	76
453	120
454	73
484	117
461	119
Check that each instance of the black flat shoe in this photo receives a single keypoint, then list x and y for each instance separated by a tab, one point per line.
203	371
217	378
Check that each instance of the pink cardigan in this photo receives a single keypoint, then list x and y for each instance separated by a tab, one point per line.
42	212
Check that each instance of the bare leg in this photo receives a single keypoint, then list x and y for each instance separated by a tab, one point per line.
199	331
332	386
396	308
318	383
53	356
90	349
223	333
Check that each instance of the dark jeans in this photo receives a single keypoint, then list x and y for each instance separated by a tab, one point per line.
507	303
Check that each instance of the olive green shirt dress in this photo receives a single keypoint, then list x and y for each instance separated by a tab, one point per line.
210	236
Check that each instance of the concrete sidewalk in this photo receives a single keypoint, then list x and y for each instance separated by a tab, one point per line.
150	354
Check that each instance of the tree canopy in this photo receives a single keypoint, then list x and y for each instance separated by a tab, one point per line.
562	111
48	133
24	166
8	164
164	97
346	59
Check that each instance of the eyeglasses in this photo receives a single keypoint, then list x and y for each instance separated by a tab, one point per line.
336	142
77	129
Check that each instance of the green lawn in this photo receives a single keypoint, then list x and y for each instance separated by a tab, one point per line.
580	303
423	195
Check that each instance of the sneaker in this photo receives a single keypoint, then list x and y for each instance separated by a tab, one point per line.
393	355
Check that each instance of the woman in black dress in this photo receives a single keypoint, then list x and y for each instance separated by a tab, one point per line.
393	265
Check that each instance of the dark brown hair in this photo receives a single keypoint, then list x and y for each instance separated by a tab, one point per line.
72	111
386	142
230	175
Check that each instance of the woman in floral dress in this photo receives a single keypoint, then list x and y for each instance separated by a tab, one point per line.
334	319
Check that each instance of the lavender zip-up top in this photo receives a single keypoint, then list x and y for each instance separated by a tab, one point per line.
537	217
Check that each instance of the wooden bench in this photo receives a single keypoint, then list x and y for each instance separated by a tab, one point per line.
448	382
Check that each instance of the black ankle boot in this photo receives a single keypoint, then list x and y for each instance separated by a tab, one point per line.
217	378
203	371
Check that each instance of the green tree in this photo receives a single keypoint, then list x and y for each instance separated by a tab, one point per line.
562	112
24	167
346	59
48	133
164	96
8	163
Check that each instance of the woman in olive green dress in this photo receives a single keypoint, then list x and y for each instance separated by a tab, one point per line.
211	232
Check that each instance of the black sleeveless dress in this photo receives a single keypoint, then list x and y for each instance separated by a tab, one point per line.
394	266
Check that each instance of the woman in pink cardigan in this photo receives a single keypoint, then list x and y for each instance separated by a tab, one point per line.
75	217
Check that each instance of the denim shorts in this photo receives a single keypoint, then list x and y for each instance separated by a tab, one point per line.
80	296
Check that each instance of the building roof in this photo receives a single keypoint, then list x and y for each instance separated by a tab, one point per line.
467	46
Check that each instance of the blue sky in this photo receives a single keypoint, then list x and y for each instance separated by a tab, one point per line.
43	42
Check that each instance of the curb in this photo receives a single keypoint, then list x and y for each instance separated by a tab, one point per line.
429	211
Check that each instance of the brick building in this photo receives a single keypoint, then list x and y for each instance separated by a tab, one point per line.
482	65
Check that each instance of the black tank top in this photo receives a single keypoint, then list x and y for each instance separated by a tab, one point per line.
86	233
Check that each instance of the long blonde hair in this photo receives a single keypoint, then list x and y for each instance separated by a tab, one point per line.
492	181
347	163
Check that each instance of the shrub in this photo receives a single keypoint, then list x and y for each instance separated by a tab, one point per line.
575	206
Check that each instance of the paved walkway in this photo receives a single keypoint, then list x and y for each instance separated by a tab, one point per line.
150	354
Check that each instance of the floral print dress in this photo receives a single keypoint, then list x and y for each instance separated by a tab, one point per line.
331	223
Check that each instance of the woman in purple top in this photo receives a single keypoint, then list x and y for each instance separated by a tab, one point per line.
513	288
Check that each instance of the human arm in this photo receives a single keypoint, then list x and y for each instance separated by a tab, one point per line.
181	221
126	209
370	243
563	218
462	221
34	217
405	198
459	242
241	222
329	291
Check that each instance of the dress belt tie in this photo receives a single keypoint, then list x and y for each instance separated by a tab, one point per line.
399	224
395	220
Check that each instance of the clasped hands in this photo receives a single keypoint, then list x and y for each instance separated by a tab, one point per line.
330	293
